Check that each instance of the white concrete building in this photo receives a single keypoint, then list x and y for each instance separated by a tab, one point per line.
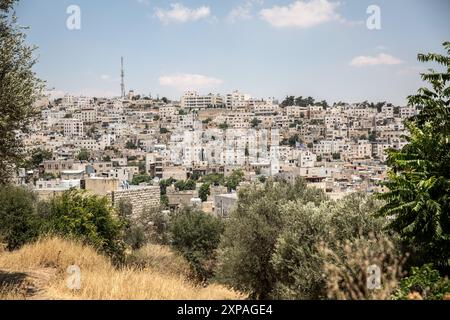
73	127
193	100
306	159
237	100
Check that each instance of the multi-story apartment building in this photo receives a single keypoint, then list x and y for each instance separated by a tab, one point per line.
88	144
387	111
166	112
296	112
73	127
407	112
88	115
306	159
237	100
192	100
315	112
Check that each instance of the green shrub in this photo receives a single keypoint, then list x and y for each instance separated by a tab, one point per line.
140	178
19	221
133	234
424	281
158	226
204	191
196	235
88	217
185	185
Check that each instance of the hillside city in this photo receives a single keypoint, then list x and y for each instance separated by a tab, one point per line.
128	148
295	150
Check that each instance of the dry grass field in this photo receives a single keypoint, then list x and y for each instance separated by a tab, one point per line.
39	271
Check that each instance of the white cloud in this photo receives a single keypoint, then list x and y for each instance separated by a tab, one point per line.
105	77
180	13
380	59
184	81
243	12
302	14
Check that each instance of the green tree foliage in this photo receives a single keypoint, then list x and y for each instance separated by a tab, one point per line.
140	178
182	185
373	136
424	281
292	140
251	234
163	130
223	126
150	225
214	179
196	235
336	156
88	217
133	234
234	179
204	191
297	261
48	176
130	145
419	177
37	157
288	101
163	184
156	224
83	155
255	122
195	176
302	102
164	199
20	222
323	104
294	259
19	88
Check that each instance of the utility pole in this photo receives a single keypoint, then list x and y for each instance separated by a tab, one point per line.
122	76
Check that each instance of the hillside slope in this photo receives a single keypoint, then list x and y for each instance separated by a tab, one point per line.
39	271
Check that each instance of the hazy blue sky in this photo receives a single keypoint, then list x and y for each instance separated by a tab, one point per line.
263	47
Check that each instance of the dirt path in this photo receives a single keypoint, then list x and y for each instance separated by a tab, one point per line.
31	284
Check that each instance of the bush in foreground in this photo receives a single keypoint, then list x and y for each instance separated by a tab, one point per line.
20	222
88	217
423	283
351	268
196	236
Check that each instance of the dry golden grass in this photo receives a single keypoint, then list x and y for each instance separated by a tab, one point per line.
101	281
160	259
11	293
